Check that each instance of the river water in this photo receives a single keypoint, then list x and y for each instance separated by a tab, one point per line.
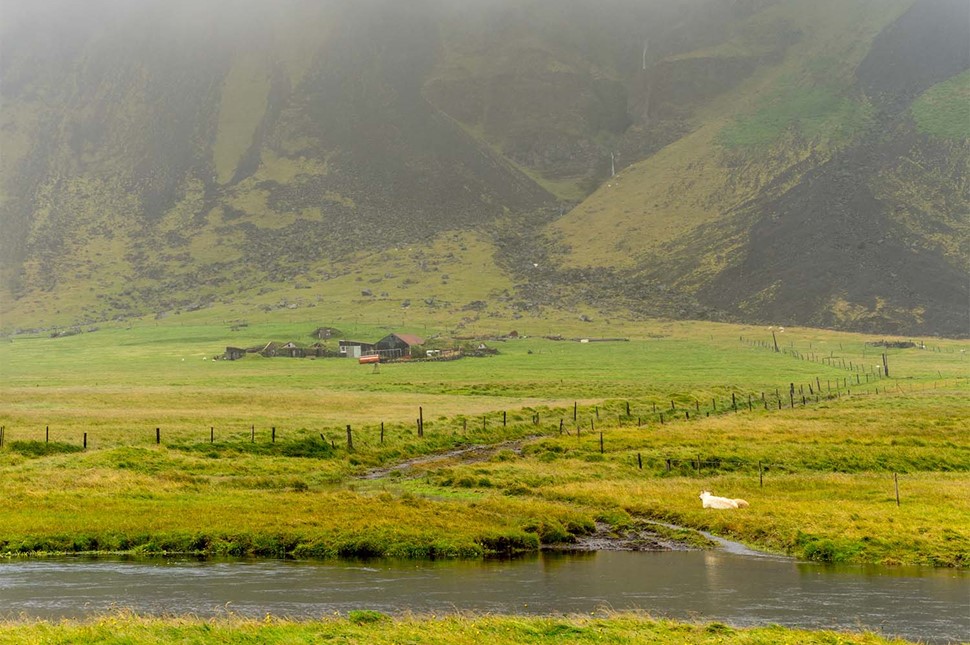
918	604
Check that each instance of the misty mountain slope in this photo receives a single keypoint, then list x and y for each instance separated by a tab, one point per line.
775	160
192	169
828	203
558	87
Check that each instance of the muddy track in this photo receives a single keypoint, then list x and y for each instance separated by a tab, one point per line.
466	455
606	538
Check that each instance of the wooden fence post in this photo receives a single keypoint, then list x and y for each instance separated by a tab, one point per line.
382	431
273	435
639	461
896	483
158	436
420	421
350	440
252	433
212	434
86	447
47	434
601	442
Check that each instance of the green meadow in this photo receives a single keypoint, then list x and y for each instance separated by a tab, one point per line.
135	439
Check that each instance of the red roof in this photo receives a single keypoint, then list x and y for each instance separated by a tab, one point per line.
410	339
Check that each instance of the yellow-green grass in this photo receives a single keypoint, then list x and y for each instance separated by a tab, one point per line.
828	494
364	626
125	493
262	508
829	477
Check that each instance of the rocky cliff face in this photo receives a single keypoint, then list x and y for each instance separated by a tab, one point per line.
169	154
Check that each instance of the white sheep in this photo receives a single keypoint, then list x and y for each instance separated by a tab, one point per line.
712	501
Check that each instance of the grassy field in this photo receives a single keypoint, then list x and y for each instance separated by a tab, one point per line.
617	432
373	627
542	444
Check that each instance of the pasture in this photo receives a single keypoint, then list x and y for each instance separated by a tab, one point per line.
189	454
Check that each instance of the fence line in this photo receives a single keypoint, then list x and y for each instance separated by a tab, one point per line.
644	414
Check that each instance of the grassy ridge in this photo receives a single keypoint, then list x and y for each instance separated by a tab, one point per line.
373	627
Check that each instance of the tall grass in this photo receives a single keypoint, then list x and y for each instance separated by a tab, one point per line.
373	627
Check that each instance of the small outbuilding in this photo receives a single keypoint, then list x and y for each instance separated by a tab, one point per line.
292	350
233	353
354	348
323	333
269	350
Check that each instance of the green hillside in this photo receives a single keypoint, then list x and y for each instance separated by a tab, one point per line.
767	160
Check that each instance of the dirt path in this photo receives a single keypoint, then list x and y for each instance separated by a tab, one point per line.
467	455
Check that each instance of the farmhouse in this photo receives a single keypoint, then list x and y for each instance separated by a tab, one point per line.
397	345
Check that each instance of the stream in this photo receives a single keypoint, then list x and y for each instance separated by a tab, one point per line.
925	604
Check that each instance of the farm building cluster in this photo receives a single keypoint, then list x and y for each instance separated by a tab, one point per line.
393	347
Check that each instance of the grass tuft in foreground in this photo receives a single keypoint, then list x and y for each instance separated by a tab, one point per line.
372	627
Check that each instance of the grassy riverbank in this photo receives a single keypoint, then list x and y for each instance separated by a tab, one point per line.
251	457
374	628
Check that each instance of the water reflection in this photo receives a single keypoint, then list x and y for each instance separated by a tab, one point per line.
913	603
